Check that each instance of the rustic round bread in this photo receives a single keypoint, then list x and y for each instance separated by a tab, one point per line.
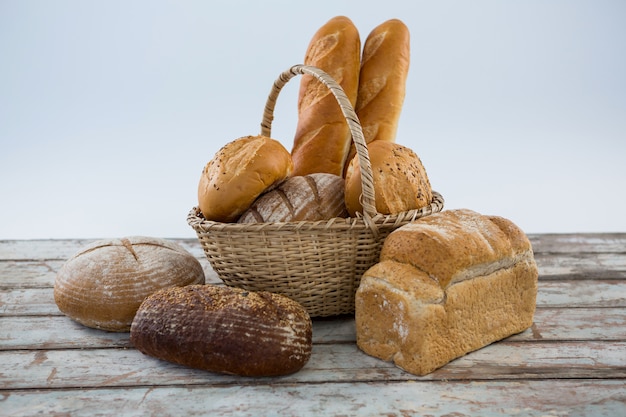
318	196
103	285
224	330
238	173
400	180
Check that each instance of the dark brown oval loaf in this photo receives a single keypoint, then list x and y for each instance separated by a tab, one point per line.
224	330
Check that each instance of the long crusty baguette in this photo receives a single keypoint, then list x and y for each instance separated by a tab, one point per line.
322	139
446	284
382	81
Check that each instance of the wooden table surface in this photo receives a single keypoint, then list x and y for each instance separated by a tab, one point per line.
572	362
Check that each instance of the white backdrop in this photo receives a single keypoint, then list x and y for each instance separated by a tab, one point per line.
110	109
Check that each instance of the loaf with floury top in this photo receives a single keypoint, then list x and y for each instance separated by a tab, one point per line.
445	285
103	284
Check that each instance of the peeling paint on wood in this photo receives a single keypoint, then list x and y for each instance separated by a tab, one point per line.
571	362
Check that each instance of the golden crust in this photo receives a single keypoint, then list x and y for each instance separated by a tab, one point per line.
446	284
382	82
322	139
238	173
400	180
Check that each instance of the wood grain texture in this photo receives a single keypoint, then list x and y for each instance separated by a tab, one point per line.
550	324
598	398
571	362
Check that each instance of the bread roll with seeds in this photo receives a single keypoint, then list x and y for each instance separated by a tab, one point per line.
400	180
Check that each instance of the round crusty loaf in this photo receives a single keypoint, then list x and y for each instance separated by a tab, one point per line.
311	197
238	173
103	284
225	330
400	180
322	139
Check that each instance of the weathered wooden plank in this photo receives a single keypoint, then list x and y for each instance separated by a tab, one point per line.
48	249
55	332
571	324
579	243
603	266
583	293
62	249
550	324
83	368
28	274
487	399
571	294
28	302
41	274
59	332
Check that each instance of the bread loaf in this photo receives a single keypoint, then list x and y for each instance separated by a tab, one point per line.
446	284
400	180
103	284
382	81
311	197
225	330
322	139
238	173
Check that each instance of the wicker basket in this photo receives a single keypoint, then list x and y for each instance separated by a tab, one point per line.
318	264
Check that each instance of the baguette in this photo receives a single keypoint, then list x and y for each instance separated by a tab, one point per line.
382	82
446	284
322	139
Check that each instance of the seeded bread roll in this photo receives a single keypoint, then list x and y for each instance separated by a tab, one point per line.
400	180
382	81
103	284
322	139
311	197
446	284
225	330
238	173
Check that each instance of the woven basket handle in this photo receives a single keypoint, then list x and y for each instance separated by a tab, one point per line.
367	180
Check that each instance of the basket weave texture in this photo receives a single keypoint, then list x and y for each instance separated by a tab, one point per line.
317	263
